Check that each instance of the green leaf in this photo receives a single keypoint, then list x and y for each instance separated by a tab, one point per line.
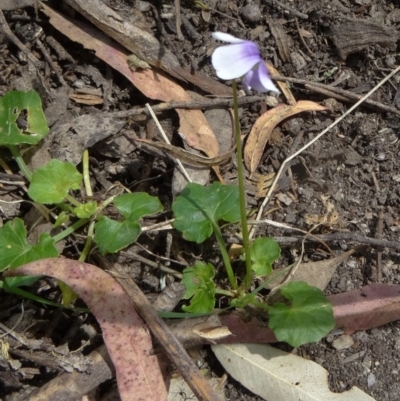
51	183
14	249
21	281
62	218
135	206
308	317
112	236
11	106
200	287
86	210
198	208
264	251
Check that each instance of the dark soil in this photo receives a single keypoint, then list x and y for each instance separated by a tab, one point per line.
355	164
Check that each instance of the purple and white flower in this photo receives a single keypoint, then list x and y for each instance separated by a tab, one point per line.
241	59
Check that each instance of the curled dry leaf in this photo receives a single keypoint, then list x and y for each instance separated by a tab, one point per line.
262	128
128	343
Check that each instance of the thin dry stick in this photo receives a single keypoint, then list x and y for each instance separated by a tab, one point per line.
178	162
291	157
178	20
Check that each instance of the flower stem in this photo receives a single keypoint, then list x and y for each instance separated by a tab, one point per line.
225	256
20	161
88	242
242	193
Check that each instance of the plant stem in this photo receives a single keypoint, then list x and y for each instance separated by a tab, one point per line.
72	200
70	230
20	161
225	257
88	242
220	291
242	193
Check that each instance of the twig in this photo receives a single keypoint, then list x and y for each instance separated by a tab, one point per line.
197	104
340	236
178	21
378	236
291	157
148	262
48	58
302	38
336	92
163	134
287	8
286	227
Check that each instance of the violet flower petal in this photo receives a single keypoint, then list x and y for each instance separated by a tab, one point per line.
235	60
258	79
225	37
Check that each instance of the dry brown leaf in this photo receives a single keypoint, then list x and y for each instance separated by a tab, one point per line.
262	128
317	274
154	83
83	98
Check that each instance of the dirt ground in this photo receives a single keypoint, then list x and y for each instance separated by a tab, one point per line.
354	165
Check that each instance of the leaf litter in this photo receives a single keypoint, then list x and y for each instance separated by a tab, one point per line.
379	295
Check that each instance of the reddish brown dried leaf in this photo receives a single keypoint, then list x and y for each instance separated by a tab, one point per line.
262	128
371	306
129	344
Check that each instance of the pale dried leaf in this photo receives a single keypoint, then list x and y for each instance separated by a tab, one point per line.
277	375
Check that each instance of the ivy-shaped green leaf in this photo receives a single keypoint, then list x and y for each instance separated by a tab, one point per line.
51	183
264	251
308	317
137	205
11	106
200	287
198	208
15	250
111	235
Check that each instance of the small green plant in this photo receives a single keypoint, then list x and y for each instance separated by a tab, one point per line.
52	184
305	315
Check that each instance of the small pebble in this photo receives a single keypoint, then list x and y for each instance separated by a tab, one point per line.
144	6
371	380
343	342
251	12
